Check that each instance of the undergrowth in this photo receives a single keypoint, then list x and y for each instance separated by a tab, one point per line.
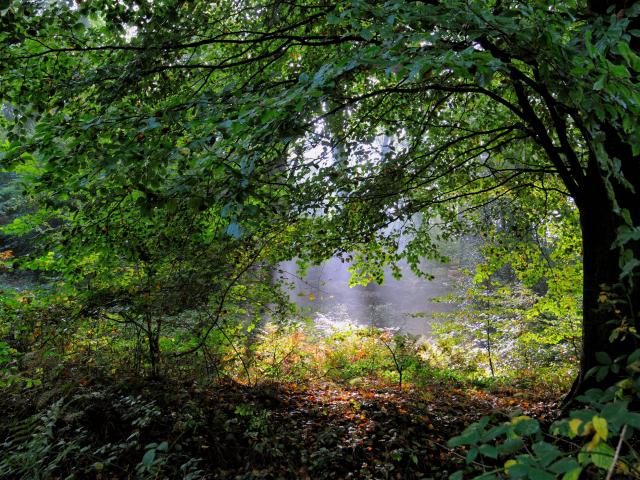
240	410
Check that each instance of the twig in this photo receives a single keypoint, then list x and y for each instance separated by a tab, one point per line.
451	450
617	454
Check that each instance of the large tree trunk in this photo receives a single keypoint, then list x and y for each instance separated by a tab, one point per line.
608	302
602	290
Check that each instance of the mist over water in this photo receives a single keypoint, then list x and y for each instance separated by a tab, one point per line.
406	305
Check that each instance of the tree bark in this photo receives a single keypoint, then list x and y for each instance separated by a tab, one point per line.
608	302
154	355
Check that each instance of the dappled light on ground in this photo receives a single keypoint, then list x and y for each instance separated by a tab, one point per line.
306	431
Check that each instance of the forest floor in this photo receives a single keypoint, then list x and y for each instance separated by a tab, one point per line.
100	427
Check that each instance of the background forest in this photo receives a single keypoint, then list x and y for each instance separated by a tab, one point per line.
162	160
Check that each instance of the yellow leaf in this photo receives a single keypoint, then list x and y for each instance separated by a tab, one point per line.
593	443
623	468
312	297
600	425
588	428
602	298
574	425
508	464
517	420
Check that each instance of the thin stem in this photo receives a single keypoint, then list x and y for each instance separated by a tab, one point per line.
617	454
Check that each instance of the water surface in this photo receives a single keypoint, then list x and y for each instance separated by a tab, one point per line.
406	304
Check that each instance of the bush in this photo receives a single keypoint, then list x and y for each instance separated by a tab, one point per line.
590	442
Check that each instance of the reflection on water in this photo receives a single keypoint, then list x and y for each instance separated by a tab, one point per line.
406	304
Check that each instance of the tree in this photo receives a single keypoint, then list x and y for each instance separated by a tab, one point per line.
481	100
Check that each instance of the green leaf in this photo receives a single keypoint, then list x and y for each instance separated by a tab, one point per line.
618	71
635	356
602	373
468	437
333	20
572	474
234	230
588	43
627	234
151	123
148	458
630	57
564	465
493	433
487	476
527	427
584	458
633	419
524	471
366	34
489	451
628	267
602	455
545	452
510	446
599	84
603	358
471	454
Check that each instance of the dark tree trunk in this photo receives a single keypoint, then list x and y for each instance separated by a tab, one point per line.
608	302
601	287
154	355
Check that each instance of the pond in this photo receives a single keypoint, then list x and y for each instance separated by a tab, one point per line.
407	304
